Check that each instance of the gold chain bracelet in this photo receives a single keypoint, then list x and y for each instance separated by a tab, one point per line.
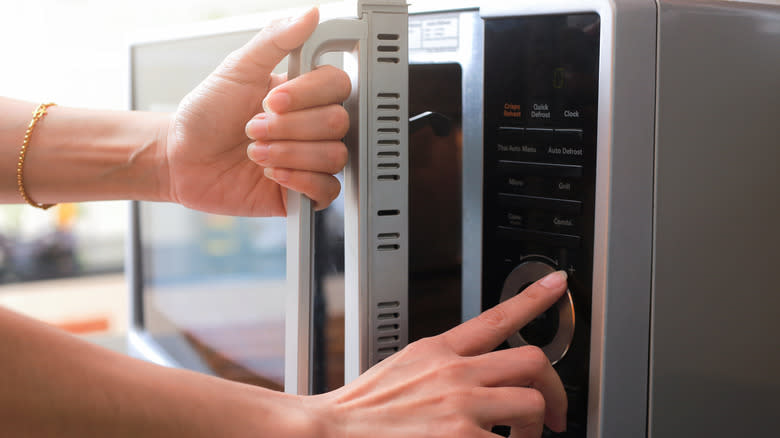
37	115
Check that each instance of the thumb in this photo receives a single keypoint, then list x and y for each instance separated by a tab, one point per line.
257	58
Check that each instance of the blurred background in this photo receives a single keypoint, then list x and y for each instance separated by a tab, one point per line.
65	265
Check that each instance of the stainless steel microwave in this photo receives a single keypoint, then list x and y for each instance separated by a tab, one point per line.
634	143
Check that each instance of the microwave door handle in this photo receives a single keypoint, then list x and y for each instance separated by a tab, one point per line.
329	36
378	68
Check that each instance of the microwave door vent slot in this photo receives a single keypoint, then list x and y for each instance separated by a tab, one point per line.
385	50
388	340
388	242
388	130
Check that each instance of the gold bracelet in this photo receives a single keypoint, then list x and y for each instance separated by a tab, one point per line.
37	115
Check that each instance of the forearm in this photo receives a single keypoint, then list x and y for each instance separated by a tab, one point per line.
83	155
54	384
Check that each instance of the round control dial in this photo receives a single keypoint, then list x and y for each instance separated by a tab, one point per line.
551	331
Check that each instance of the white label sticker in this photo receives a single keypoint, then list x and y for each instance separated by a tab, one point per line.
434	33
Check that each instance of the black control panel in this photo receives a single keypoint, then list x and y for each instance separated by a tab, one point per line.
541	96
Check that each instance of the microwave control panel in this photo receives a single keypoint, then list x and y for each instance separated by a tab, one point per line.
541	96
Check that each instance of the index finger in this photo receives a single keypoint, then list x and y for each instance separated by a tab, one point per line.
488	330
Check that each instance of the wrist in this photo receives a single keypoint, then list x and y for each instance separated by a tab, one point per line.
327	418
274	413
160	190
143	170
86	155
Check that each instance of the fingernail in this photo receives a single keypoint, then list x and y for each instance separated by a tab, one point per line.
258	152
555	280
278	175
257	128
277	102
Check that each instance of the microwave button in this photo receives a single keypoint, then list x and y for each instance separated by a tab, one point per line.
570	115
513	112
563	153
566	146
514	218
564	187
539	136
509	200
513	143
540	169
540	110
543	237
510	131
542	220
514	183
563	223
568	137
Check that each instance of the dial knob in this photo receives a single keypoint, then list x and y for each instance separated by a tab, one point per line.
551	331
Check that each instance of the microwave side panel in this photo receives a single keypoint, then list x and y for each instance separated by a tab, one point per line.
716	353
620	339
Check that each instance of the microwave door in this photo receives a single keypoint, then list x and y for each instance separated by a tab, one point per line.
376	192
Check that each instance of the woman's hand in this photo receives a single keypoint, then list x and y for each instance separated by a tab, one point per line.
454	384
211	161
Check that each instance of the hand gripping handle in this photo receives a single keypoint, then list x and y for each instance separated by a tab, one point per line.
375	193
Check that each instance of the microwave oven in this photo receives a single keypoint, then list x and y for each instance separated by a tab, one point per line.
633	143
